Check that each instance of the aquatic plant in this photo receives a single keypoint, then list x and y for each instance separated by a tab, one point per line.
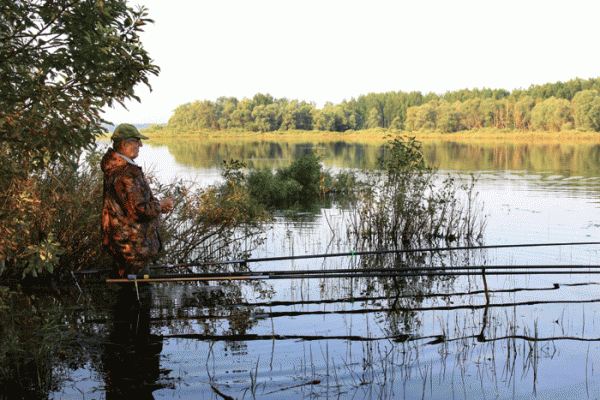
296	185
30	342
406	204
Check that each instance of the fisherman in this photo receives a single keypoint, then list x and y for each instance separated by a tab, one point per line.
130	212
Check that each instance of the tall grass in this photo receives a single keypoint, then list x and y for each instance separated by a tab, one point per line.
30	342
407	205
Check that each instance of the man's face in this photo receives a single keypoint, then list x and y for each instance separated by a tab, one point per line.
131	148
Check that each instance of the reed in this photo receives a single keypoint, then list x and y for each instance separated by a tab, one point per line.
30	346
405	205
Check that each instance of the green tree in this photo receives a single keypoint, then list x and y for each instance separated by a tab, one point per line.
225	106
551	114
473	117
426	117
181	118
242	115
375	119
495	113
586	110
304	117
411	118
522	112
203	115
260	99
449	117
61	63
334	118
397	123
290	116
267	118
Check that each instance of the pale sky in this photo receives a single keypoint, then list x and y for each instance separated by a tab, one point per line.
331	50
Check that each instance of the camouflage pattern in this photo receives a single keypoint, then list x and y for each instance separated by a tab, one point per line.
130	215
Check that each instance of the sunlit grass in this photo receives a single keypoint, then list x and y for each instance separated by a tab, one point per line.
506	135
380	135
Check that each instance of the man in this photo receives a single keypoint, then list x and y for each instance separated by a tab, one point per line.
130	212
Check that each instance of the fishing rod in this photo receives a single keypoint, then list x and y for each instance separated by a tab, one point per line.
346	254
362	273
423	269
375	252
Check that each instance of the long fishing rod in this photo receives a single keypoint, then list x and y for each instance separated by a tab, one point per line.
415	269
375	252
499	270
350	253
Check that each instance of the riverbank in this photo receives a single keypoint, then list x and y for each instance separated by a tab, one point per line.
382	135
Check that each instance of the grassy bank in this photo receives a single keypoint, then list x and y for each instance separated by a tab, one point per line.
374	135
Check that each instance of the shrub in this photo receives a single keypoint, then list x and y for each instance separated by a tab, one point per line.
298	184
404	206
51	220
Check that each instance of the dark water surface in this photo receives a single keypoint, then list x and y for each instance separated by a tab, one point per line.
538	336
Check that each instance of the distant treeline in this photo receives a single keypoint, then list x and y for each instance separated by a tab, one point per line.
552	107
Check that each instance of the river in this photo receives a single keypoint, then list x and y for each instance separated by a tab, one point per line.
339	338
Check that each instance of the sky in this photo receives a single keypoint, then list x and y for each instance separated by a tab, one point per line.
335	50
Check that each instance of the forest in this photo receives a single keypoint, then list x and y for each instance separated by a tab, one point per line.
550	107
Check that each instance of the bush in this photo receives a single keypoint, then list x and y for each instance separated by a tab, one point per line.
297	185
403	206
344	183
51	220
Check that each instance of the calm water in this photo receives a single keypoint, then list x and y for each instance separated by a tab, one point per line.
343	339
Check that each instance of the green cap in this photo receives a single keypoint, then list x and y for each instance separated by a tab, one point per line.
126	131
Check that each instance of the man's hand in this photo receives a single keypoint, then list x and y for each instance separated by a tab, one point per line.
166	205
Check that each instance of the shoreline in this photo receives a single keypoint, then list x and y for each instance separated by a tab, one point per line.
383	135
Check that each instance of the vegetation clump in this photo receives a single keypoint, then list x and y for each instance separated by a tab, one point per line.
300	185
58	71
406	204
295	185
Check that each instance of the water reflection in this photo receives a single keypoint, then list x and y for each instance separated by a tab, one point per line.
357	338
131	356
268	154
569	160
373	337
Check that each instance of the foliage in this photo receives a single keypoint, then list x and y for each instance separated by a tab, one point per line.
59	226
586	110
522	112
448	112
62	207
214	223
449	118
298	184
61	63
345	183
406	206
551	114
30	344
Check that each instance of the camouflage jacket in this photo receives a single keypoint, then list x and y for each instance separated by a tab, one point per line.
130	213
